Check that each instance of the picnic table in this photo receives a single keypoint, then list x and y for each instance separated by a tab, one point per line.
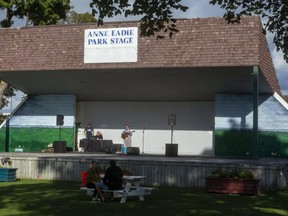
131	188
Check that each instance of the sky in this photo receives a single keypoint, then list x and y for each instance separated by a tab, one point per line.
201	9
197	9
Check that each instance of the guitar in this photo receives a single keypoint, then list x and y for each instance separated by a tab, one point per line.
124	135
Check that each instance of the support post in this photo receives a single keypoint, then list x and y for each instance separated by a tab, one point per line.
171	133
60	133
7	136
255	108
143	141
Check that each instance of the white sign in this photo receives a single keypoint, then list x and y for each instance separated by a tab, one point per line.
111	45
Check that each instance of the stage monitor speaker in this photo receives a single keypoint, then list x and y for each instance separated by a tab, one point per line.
117	148
133	151
59	120
59	146
171	150
107	146
171	119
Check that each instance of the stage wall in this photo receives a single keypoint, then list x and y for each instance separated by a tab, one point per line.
34	125
193	131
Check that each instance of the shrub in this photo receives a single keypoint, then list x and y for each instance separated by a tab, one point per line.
237	173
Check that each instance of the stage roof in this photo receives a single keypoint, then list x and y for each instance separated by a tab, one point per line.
207	56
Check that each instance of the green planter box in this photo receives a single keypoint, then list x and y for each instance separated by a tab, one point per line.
8	174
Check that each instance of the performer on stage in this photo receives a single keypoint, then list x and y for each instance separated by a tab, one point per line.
98	140
88	131
126	136
99	135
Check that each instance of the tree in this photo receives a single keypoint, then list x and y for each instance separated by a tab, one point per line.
275	12
3	86
157	15
44	12
6	91
74	17
36	12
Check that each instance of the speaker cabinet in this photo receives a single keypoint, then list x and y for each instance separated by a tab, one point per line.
107	146
133	151
171	150
59	120
59	146
117	147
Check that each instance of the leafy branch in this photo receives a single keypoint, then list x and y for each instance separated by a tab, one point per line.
157	16
274	13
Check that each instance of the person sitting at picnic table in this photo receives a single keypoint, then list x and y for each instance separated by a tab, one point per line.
112	179
93	178
113	176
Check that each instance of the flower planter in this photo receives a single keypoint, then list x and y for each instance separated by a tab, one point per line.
8	174
233	186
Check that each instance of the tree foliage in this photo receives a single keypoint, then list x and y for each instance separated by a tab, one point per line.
44	12
36	12
274	12
6	91
157	15
74	18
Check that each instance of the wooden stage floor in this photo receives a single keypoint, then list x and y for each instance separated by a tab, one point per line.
149	157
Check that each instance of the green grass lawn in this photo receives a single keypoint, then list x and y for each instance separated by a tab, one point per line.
39	197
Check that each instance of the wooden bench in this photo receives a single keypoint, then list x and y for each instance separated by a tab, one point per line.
90	191
144	188
123	194
115	193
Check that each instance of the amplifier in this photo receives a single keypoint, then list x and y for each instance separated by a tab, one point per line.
133	151
59	146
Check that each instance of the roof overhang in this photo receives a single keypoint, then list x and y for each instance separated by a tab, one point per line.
141	84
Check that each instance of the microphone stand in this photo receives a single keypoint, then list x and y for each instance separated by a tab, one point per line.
143	141
60	133
171	133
